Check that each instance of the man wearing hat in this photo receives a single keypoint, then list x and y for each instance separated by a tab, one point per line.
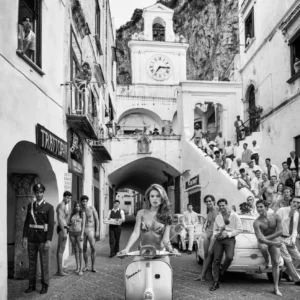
37	237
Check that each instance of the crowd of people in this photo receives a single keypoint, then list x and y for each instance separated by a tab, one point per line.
82	225
277	230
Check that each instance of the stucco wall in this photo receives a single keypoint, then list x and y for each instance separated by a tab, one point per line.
266	65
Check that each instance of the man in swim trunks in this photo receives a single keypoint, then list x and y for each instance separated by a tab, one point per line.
89	232
62	213
268	229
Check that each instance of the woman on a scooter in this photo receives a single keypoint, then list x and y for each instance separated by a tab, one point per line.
152	224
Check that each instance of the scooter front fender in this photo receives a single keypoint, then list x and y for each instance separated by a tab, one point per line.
149	275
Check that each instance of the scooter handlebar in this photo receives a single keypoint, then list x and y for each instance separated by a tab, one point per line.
137	253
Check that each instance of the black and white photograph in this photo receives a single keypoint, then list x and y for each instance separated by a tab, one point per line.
150	149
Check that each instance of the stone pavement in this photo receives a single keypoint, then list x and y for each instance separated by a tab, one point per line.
108	283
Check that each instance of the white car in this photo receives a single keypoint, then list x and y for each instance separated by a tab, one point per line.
177	219
247	256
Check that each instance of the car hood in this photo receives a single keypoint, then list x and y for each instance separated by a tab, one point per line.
246	241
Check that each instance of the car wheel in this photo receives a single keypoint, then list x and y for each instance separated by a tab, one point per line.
179	244
198	257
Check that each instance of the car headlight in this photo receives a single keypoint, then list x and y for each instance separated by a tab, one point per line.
148	296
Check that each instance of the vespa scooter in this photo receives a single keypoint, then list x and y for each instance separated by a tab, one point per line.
150	278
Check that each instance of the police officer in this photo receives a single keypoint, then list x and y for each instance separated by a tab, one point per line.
37	237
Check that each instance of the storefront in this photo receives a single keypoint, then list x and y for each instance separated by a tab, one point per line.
193	188
27	164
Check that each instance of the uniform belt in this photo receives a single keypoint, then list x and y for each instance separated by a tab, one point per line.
285	236
36	226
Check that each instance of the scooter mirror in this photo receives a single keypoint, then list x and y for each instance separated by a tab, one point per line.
178	228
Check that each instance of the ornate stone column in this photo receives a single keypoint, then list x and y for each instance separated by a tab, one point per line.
22	184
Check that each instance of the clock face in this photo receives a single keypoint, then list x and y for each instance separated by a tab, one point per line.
159	67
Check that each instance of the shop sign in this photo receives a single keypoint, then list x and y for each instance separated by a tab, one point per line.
192	182
76	148
51	144
68	182
76	167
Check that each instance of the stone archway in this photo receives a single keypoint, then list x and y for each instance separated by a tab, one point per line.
139	174
26	166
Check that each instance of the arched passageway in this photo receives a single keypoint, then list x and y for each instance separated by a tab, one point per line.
26	166
141	173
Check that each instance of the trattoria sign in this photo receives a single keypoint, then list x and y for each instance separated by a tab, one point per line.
51	144
192	182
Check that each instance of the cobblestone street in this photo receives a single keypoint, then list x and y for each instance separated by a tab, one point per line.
108	283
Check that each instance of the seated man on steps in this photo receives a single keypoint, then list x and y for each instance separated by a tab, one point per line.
189	220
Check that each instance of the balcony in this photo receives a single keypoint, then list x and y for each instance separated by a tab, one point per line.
101	151
82	112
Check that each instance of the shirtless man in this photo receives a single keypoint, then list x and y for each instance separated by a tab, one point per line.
62	213
268	229
270	190
89	232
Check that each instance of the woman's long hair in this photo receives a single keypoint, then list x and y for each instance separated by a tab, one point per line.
74	211
164	214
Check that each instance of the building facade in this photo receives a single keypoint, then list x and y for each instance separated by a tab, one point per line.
269	55
54	132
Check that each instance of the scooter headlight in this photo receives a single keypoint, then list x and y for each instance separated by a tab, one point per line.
148	296
148	252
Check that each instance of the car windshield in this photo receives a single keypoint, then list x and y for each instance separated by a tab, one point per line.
247	225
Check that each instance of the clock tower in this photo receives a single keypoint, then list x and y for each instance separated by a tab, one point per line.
158	56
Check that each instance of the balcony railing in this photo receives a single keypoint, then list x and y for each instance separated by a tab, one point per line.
82	112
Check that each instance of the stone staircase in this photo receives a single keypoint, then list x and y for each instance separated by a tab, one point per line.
213	180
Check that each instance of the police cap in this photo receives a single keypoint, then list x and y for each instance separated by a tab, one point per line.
39	187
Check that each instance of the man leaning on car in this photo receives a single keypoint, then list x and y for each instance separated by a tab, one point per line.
189	220
226	227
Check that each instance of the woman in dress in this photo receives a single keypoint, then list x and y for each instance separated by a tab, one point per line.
76	231
152	224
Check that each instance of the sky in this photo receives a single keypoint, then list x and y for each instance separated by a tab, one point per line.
122	10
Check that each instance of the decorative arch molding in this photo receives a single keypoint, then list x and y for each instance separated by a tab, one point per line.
159	20
144	111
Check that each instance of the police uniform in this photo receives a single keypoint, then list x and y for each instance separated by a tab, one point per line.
38	230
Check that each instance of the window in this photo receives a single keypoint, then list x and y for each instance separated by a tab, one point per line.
294	44
98	28
30	29
97	19
297	145
75	55
96	173
249	28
